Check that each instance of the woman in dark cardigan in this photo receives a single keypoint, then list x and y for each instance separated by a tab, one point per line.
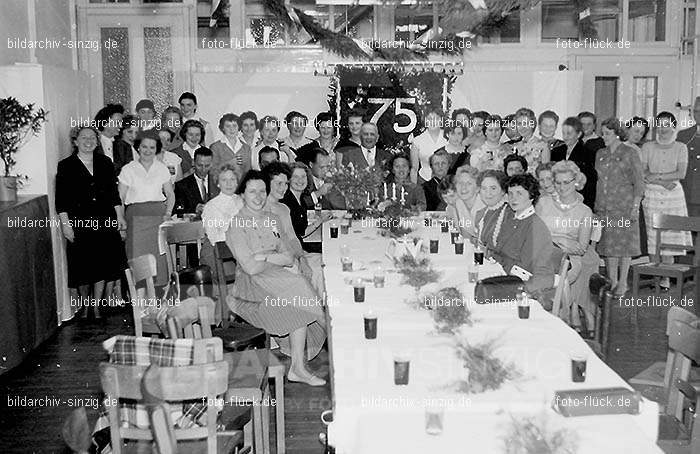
523	244
574	150
298	199
92	217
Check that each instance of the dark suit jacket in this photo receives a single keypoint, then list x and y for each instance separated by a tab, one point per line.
355	156
585	160
432	196
333	200
187	163
593	145
122	154
187	193
297	211
691	182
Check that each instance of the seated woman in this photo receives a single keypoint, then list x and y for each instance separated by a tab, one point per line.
267	293
298	199
491	153
493	185
546	179
523	245
570	223
399	172
219	211
461	193
278	174
514	164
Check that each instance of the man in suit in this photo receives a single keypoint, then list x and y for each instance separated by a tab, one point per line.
192	192
591	140
691	183
368	154
439	164
321	191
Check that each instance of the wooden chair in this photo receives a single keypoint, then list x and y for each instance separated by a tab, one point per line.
655	381
185	238
222	256
679	272
142	269
561	294
250	373
600	288
197	382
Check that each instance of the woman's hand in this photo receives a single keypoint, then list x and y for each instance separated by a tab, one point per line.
67	230
121	225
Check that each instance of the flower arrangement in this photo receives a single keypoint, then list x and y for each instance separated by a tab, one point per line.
18	124
394	218
531	435
416	272
359	186
450	311
486	371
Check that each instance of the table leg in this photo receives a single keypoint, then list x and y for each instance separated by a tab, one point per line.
277	374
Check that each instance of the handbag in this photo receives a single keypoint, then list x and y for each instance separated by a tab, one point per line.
497	289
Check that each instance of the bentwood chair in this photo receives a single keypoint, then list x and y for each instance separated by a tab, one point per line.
600	288
561	294
678	271
185	240
250	373
142	269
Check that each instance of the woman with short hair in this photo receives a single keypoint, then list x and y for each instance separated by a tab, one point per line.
618	195
573	149
493	185
463	207
425	144
531	147
547	125
266	292
664	162
230	149
171	119
570	223
546	179
515	164
192	135
299	200
145	188
492	152
399	173
455	148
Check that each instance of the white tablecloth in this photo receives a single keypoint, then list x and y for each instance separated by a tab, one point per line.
372	415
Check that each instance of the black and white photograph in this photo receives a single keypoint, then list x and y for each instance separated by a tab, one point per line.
350	226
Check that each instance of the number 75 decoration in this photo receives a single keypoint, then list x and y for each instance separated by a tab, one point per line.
398	110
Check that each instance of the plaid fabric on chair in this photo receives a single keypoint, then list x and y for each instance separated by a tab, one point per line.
144	351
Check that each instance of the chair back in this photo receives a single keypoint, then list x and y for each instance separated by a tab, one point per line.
178	235
174	384
562	292
661	222
684	346
198	327
141	269
223	255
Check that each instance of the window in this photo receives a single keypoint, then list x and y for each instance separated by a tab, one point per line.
606	16
414	22
688	27
605	97
647	20
644	104
559	20
510	33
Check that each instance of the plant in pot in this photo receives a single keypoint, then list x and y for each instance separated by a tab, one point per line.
18	124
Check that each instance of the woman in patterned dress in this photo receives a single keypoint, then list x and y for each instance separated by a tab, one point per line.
531	147
618	195
664	162
269	292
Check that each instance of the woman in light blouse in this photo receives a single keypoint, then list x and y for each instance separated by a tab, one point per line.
425	144
665	162
147	193
570	222
491	153
464	202
231	149
531	147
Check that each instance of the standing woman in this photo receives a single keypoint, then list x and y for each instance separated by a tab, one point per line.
171	119
491	153
547	124
192	133
92	217
664	162
427	143
618	194
145	188
327	138
455	148
637	130
124	150
531	147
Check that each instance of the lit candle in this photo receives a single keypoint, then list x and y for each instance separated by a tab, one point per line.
386	193
367	198
393	191
403	195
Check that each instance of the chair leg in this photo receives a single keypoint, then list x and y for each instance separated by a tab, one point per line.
278	377
258	429
635	282
248	434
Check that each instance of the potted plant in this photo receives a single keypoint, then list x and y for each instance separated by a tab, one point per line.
18	123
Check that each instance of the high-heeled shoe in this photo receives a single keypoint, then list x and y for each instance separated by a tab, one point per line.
313	381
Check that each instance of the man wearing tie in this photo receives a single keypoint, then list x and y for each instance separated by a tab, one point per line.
691	183
321	191
192	192
368	154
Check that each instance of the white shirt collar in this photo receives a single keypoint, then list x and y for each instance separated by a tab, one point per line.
190	150
234	147
317	181
525	214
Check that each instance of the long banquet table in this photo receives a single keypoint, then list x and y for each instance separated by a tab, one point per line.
373	415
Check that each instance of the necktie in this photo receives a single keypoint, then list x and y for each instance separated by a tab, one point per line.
203	190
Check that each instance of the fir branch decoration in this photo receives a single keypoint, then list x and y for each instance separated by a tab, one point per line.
358	186
18	124
416	273
486	371
531	435
449	310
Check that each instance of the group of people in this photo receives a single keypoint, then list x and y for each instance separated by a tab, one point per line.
526	198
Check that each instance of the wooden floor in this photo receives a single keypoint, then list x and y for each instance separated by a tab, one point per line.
65	368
